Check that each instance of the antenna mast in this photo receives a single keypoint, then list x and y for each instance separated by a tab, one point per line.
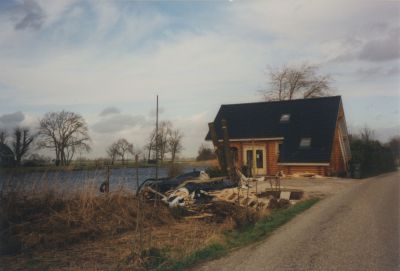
157	140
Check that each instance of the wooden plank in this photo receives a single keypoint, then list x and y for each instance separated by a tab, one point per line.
227	151
218	150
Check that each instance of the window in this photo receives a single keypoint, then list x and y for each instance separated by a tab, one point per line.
259	159
249	154
305	142
285	117
279	148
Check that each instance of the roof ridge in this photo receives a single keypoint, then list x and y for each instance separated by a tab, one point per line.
286	101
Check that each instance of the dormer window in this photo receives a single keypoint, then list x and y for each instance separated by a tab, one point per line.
305	143
285	118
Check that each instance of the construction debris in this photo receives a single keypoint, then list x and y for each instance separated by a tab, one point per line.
200	193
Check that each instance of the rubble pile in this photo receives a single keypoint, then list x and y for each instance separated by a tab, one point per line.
204	197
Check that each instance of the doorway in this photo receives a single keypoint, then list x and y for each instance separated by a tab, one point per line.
254	157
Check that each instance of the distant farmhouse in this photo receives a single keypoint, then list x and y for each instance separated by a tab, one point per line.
6	156
305	135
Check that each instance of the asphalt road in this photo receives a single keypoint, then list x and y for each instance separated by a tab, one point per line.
356	229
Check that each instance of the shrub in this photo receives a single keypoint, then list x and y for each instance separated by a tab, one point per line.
36	160
372	157
205	153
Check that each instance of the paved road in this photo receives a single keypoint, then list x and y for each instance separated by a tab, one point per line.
357	229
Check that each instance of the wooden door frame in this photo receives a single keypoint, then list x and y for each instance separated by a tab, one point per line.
255	147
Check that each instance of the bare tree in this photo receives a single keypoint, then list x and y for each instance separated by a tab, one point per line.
366	134
175	143
65	133
3	136
294	82
123	148
112	152
164	131
20	143
150	146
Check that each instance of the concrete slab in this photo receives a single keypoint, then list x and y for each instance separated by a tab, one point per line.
285	195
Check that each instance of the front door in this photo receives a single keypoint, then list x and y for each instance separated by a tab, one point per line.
254	157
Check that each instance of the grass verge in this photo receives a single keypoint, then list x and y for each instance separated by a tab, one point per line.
240	238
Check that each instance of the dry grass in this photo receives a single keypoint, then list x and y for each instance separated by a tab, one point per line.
51	218
44	227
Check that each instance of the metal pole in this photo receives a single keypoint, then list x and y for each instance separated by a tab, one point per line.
108	180
137	171
156	195
157	140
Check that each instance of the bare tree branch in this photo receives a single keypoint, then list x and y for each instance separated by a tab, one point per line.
175	143
21	142
123	148
112	152
65	133
3	136
295	82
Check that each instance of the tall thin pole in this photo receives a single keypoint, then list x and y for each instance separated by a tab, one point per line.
157	140
139	206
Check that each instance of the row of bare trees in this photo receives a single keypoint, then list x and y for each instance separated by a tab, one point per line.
120	148
66	134
168	140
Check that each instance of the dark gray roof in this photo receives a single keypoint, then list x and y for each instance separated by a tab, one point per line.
309	118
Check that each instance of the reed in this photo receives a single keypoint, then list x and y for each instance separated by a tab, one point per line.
44	214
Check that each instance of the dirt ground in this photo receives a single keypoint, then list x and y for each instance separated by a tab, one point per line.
317	187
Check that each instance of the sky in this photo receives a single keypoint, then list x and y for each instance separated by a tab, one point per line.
107	60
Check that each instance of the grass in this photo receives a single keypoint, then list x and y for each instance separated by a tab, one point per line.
240	238
48	217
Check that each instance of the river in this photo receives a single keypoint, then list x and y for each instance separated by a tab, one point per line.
81	179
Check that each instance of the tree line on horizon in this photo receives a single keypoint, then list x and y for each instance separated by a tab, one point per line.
66	133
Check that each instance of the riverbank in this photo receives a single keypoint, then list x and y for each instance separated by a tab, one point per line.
92	165
48	229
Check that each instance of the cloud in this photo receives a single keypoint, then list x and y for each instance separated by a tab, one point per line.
153	112
109	111
384	49
11	120
379	43
378	71
116	123
29	14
